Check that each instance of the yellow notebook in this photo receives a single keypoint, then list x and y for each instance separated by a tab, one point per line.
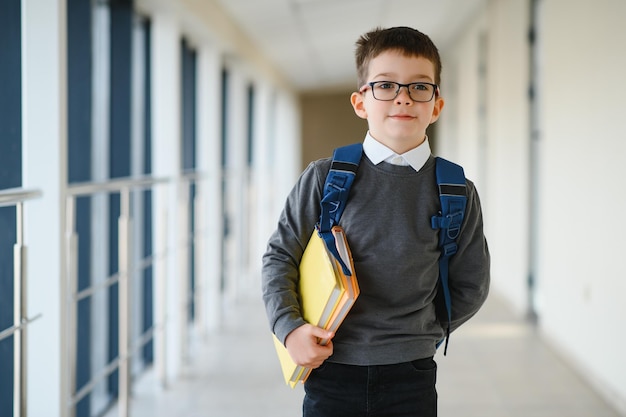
326	294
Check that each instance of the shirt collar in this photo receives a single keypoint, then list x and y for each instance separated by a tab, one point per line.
377	153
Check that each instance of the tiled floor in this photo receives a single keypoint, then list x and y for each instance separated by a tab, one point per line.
496	367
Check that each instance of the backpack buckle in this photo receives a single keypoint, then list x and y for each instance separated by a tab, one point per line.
449	249
454	221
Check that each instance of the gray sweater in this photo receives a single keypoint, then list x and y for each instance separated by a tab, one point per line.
387	224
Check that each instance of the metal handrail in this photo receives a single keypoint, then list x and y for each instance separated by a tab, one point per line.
114	185
16	328
16	197
127	347
123	186
111	280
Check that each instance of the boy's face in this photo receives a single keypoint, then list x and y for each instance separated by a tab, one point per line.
401	123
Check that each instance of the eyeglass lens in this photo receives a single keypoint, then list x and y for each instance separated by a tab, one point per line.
387	90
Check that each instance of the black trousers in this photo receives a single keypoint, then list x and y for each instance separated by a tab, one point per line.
400	390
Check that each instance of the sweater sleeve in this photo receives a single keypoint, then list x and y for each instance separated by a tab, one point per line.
284	251
469	275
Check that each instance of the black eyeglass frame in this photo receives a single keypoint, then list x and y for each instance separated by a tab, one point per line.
371	84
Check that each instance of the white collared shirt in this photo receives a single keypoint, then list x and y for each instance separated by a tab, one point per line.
377	153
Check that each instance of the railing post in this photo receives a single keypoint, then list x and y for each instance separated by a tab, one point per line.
19	317
71	288
124	288
161	299
183	264
199	245
124	280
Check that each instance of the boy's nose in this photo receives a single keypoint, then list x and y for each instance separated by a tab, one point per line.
404	96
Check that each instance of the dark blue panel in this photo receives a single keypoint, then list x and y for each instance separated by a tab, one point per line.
224	121
189	85
224	137
188	59
147	98
120	149
10	177
84	333
10	95
120	109
7	240
79	68
148	292
79	89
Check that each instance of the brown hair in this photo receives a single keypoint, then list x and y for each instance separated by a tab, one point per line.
408	41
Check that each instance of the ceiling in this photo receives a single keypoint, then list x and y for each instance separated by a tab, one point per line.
311	42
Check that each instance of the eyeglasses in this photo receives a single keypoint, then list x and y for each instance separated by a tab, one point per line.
389	90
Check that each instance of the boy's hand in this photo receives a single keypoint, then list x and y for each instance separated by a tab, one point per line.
304	348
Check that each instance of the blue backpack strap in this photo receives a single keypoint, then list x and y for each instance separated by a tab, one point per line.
336	190
453	198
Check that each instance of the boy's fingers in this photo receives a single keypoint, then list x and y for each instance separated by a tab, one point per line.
321	333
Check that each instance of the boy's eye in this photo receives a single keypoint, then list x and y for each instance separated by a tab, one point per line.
385	86
419	87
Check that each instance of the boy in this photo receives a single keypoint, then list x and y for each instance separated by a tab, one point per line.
380	361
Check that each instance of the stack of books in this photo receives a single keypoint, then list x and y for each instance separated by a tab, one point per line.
326	294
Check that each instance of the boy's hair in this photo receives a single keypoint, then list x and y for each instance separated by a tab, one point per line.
408	41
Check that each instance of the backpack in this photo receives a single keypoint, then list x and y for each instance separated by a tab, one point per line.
452	196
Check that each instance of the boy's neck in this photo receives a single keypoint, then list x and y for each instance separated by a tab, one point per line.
401	147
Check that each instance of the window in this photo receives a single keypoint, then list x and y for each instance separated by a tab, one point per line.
10	177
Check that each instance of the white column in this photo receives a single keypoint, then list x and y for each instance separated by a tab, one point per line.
100	202
209	159
287	145
44	115
236	180
166	163
264	219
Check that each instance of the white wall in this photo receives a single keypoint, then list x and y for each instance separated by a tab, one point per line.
493	147
507	194
100	137
581	153
582	279
236	179
287	147
261	186
209	159
166	132
44	116
459	130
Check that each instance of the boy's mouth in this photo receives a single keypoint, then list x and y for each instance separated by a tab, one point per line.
402	117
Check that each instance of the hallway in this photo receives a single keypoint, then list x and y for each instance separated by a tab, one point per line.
497	366
147	147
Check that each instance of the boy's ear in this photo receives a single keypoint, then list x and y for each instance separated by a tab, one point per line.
358	105
439	103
